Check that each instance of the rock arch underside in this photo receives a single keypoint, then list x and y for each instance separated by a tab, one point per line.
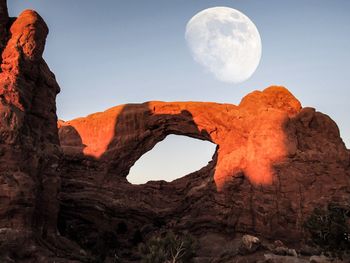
63	192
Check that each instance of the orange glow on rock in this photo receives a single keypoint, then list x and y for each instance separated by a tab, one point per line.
96	131
251	136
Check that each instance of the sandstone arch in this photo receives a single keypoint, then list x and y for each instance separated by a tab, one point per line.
274	164
128	131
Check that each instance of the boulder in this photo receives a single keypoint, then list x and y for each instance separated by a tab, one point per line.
249	244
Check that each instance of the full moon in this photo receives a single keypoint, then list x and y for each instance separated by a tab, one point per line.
225	42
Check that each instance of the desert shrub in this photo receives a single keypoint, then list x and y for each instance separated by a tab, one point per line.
168	248
329	229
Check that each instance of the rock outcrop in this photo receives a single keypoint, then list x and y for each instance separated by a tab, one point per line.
275	162
63	188
251	137
29	145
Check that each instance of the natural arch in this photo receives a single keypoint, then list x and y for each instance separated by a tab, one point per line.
170	159
251	136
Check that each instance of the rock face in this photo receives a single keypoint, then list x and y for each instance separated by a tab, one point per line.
251	137
29	146
63	188
275	162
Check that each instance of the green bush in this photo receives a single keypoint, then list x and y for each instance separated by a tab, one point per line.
168	248
329	229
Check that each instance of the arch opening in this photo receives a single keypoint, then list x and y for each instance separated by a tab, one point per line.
174	157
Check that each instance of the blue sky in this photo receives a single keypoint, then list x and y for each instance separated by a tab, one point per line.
110	52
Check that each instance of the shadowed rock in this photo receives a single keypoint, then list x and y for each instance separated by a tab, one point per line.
275	162
4	21
64	194
250	136
25	118
29	145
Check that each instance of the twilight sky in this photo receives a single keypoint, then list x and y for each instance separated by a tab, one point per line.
111	52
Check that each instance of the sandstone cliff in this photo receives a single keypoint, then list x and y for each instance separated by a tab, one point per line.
29	143
29	147
63	188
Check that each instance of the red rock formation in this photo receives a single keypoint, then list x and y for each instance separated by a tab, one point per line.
275	162
250	137
29	146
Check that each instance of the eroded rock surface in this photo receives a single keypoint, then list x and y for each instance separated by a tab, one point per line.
28	133
274	164
251	137
29	145
64	194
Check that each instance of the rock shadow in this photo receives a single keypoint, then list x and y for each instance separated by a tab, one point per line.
139	127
